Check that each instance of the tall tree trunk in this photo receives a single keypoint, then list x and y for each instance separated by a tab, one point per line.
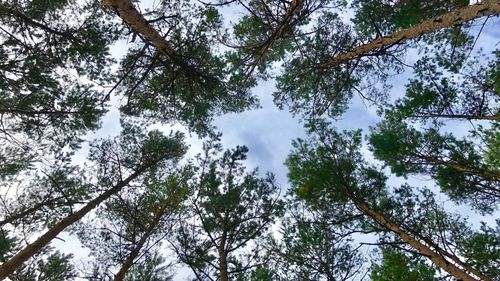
22	256
436	257
136	250
484	8
292	10
26	212
135	20
223	270
459	116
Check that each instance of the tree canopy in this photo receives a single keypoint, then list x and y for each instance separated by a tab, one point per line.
394	199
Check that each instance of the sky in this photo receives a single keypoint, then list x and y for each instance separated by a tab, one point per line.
268	131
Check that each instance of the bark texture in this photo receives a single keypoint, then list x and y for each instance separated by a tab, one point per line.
223	270
22	256
484	8
133	18
136	21
436	257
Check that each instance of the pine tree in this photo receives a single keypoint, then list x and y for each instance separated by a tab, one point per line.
118	165
231	209
331	167
134	224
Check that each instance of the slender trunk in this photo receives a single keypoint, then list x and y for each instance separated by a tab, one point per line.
133	18
454	258
22	256
459	116
223	271
292	10
484	8
35	112
436	257
136	250
22	214
328	271
136	21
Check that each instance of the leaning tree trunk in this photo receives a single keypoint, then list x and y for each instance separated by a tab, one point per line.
292	10
136	250
484	8
459	116
133	18
136	21
436	257
22	256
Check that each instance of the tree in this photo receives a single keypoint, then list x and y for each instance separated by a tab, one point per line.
396	266
46	198
483	8
118	165
230	210
151	270
269	30
190	81
445	89
315	247
49	266
332	167
481	248
337	60
40	50
375	18
457	165
133	224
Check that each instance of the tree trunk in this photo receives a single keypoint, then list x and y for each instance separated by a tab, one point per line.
328	271
484	8
292	10
133	18
22	256
459	116
436	257
24	213
223	271
135	252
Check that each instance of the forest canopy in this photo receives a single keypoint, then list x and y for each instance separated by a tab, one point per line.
408	190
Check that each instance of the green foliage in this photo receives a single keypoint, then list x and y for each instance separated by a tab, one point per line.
491	154
397	267
46	49
444	89
482	249
50	196
313	248
153	269
47	266
57	267
127	226
132	150
456	165
191	87
233	209
375	17
313	91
